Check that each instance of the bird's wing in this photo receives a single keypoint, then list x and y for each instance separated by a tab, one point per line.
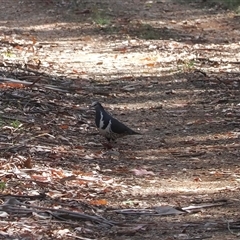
104	119
97	118
119	128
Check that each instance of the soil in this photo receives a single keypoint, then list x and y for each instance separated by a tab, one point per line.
167	69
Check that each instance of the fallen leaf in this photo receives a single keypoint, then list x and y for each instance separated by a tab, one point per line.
34	40
197	179
141	172
28	163
150	64
11	85
41	178
3	214
120	49
64	126
99	202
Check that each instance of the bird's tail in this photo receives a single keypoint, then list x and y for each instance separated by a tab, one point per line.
131	132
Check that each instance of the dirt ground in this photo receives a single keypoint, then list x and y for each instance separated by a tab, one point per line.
168	69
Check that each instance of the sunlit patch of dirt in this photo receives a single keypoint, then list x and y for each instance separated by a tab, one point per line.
168	70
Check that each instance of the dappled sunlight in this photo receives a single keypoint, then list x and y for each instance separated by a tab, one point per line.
183	186
209	137
169	70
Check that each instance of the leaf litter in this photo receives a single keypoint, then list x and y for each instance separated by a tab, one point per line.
175	79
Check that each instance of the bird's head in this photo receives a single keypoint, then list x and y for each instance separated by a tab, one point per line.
96	105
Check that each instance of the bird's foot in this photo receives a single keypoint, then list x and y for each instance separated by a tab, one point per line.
107	145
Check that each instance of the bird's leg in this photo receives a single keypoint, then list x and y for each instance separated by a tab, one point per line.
108	145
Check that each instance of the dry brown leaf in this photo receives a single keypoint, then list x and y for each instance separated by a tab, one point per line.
120	49
58	173
150	64
218	174
122	169
99	202
11	85
146	59
79	147
34	40
76	182
197	179
64	126
18	47
41	178
28	163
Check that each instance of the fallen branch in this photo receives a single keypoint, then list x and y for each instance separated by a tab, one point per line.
167	210
31	84
12	205
233	233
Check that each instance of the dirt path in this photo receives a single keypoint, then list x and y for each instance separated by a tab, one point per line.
166	68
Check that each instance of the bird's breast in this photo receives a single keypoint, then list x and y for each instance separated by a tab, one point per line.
107	132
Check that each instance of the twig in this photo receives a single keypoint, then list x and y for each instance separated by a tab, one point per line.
39	196
200	71
10	206
21	119
196	154
35	81
29	84
25	141
199	238
82	238
233	233
189	208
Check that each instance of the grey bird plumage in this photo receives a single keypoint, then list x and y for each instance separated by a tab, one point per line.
109	126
